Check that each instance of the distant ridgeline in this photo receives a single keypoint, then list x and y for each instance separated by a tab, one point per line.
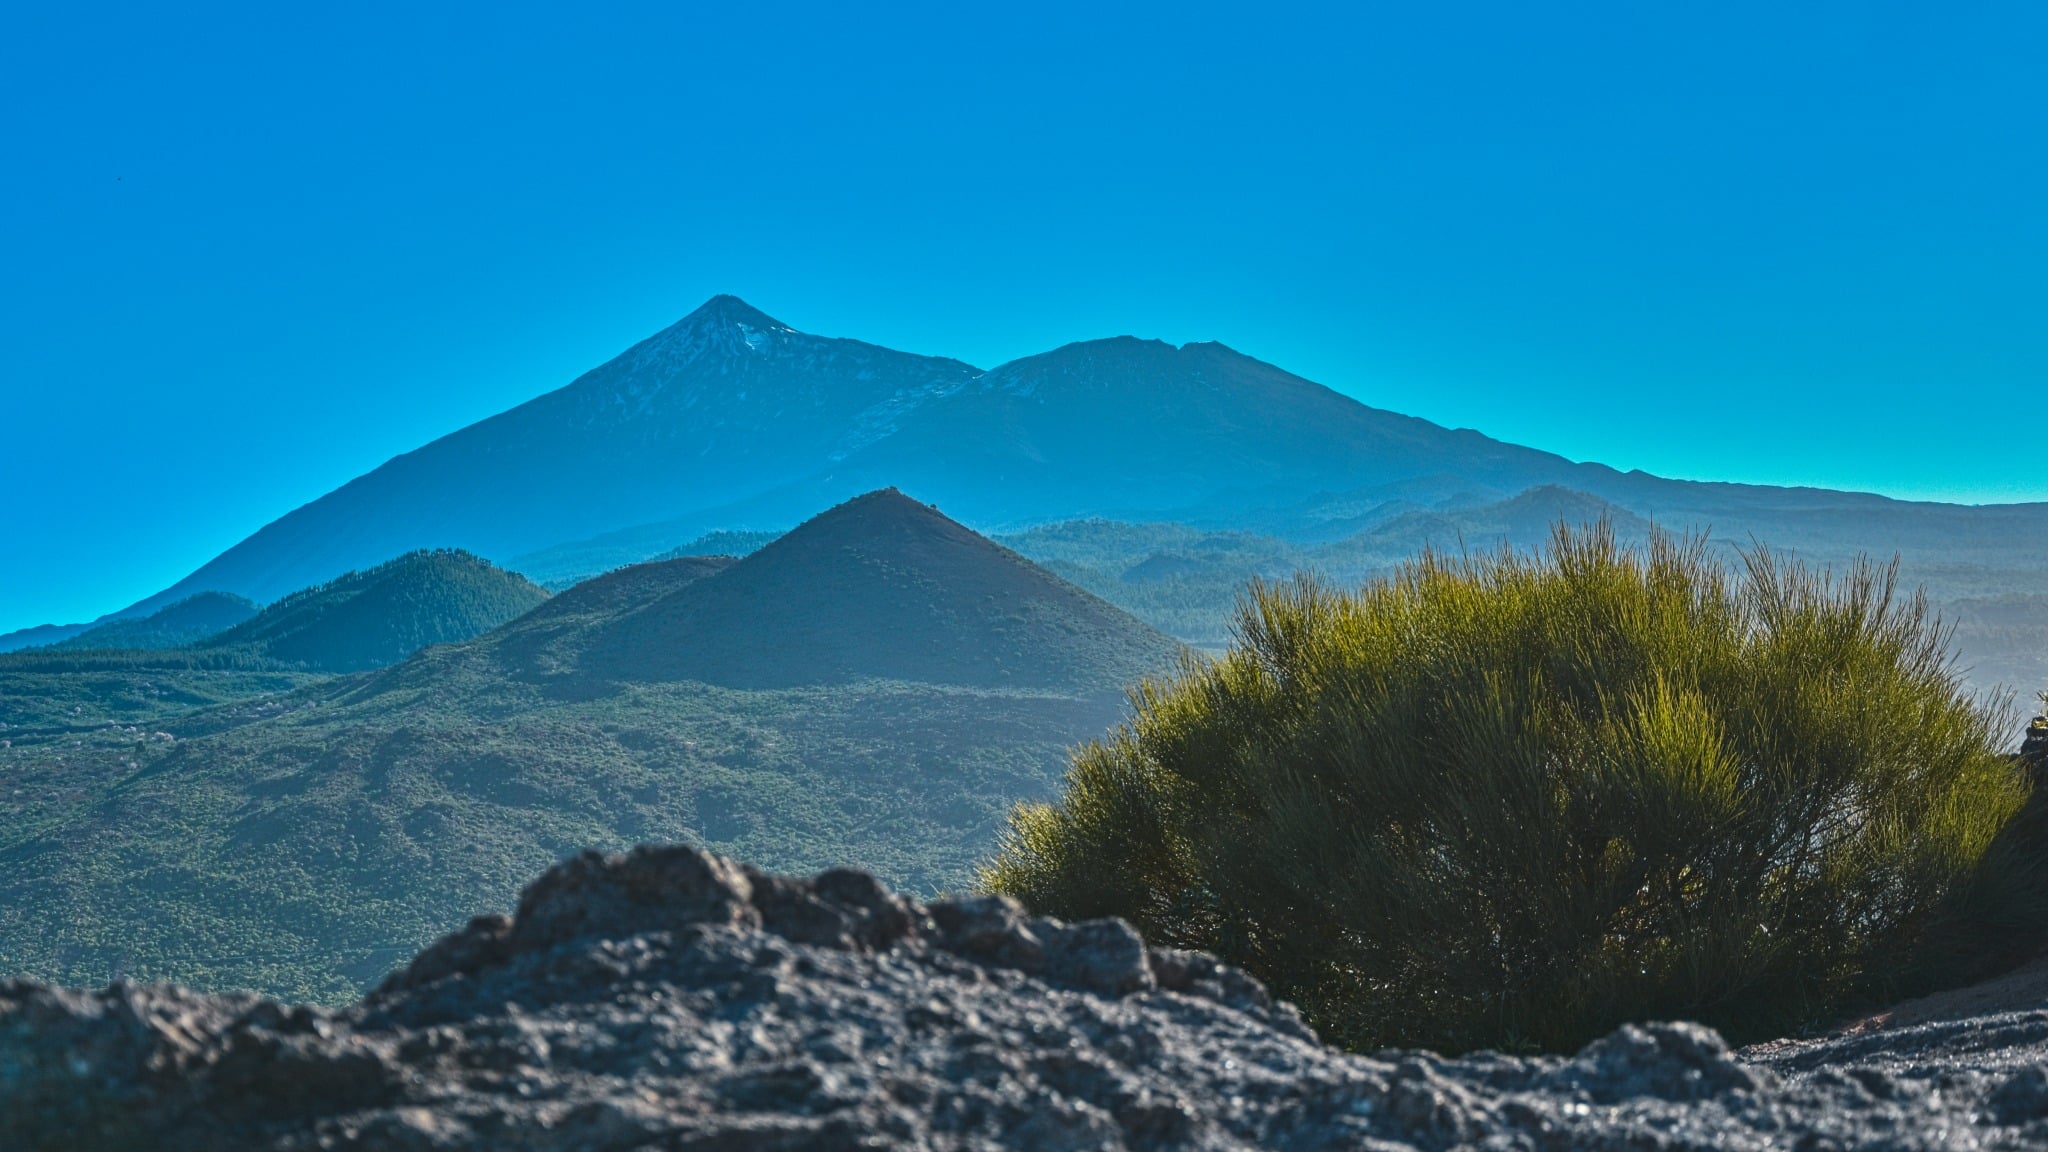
876	687
1161	478
358	621
186	622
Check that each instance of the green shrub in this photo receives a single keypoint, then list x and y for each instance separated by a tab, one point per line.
1515	800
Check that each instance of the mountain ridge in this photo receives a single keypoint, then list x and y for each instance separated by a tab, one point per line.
730	419
379	616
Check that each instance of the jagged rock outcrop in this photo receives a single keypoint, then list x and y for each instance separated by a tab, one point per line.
671	999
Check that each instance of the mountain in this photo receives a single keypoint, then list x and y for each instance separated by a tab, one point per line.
1524	521
877	688
734	421
730	419
722	544
1140	429
379	616
44	635
724	405
188	621
881	587
1187	581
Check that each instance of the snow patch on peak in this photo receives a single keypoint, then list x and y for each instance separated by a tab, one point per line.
725	329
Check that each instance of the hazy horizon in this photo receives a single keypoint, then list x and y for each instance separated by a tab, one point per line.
253	258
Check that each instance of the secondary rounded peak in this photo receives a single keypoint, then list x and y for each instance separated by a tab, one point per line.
1120	355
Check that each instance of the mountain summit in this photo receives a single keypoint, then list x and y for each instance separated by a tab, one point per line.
724	328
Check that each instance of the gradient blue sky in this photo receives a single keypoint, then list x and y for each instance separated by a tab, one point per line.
249	252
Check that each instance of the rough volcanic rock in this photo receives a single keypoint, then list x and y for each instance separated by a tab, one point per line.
671	999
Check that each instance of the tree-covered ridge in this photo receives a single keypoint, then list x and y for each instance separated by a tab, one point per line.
186	622
727	543
379	616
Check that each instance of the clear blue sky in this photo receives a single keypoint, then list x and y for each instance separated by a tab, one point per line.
249	252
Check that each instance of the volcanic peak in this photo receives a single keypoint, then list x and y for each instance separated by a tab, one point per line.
883	587
722	326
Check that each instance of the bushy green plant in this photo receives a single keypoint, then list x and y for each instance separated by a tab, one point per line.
1514	800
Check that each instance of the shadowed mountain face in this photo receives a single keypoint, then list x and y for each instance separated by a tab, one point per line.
881	587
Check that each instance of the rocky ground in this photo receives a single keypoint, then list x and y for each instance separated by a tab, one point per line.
671	999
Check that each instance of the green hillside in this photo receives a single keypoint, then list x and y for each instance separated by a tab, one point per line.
303	840
723	544
186	622
381	615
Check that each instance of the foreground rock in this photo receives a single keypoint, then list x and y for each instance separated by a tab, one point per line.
671	999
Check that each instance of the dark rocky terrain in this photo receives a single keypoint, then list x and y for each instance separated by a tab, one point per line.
671	999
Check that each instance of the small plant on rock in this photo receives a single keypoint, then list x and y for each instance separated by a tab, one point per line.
1515	800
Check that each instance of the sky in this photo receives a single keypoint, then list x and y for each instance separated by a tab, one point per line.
249	252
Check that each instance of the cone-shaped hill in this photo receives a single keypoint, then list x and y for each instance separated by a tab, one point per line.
382	615
881	587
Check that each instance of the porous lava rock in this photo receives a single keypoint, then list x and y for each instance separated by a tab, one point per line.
671	999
